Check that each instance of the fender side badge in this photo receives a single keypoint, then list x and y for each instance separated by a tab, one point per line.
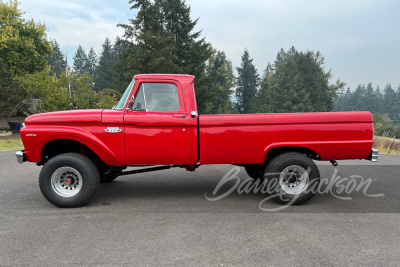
113	130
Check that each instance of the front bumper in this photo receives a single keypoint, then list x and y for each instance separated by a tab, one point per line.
373	156
20	156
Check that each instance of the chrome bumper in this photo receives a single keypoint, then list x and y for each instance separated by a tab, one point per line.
20	156
373	156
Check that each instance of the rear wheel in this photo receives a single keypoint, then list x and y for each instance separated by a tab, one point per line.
293	176
69	180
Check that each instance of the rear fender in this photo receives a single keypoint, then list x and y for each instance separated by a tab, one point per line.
332	150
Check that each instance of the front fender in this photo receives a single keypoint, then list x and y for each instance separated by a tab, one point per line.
35	137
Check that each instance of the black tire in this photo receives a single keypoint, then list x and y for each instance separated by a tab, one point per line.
286	173
109	176
75	170
255	172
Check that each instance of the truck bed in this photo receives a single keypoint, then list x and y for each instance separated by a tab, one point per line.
247	138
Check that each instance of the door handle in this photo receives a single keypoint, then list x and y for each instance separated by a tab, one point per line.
179	116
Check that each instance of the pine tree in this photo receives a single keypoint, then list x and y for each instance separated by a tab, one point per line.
57	59
247	83
122	77
289	93
264	94
221	82
358	97
301	84
379	100
161	39
80	61
396	108
105	73
370	100
389	100
91	64
153	46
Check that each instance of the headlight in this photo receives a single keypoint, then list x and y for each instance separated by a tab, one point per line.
22	125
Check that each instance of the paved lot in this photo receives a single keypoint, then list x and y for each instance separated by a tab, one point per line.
163	218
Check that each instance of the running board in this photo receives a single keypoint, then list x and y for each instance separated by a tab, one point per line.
152	169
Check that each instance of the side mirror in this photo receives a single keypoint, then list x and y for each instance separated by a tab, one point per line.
131	103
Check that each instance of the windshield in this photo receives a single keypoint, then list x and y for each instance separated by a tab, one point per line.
122	101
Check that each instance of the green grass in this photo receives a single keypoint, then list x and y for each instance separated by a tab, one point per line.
11	144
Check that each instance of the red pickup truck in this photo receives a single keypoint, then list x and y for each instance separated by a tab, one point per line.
156	124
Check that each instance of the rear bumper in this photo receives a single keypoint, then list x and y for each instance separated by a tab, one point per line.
20	156
373	156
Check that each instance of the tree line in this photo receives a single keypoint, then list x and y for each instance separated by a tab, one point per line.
384	104
161	38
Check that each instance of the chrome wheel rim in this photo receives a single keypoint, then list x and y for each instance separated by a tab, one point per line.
66	181
294	179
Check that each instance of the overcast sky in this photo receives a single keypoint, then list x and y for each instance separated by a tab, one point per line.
360	40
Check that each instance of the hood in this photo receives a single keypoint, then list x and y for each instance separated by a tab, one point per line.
84	115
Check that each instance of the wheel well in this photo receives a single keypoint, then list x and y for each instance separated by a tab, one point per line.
279	150
61	146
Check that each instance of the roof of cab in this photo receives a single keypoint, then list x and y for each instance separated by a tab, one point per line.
178	77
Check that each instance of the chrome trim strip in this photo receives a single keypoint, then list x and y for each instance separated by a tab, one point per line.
144	97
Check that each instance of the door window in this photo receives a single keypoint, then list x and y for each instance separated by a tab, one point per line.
161	97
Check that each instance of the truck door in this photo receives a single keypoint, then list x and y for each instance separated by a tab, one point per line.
157	128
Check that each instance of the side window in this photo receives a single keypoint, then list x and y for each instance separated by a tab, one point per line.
139	100
157	97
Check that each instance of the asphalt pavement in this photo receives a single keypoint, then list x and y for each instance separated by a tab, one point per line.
172	218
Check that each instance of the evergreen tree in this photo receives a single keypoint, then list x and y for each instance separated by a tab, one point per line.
358	97
347	101
264	94
56	60
379	100
396	108
122	78
290	93
80	61
161	39
105	74
221	82
389	100
370	102
300	83
153	46
91	64
247	83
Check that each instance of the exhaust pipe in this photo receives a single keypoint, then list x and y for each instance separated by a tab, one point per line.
334	163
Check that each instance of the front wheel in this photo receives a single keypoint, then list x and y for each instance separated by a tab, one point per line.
69	180
293	176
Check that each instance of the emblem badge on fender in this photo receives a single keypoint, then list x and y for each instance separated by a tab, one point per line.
113	130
